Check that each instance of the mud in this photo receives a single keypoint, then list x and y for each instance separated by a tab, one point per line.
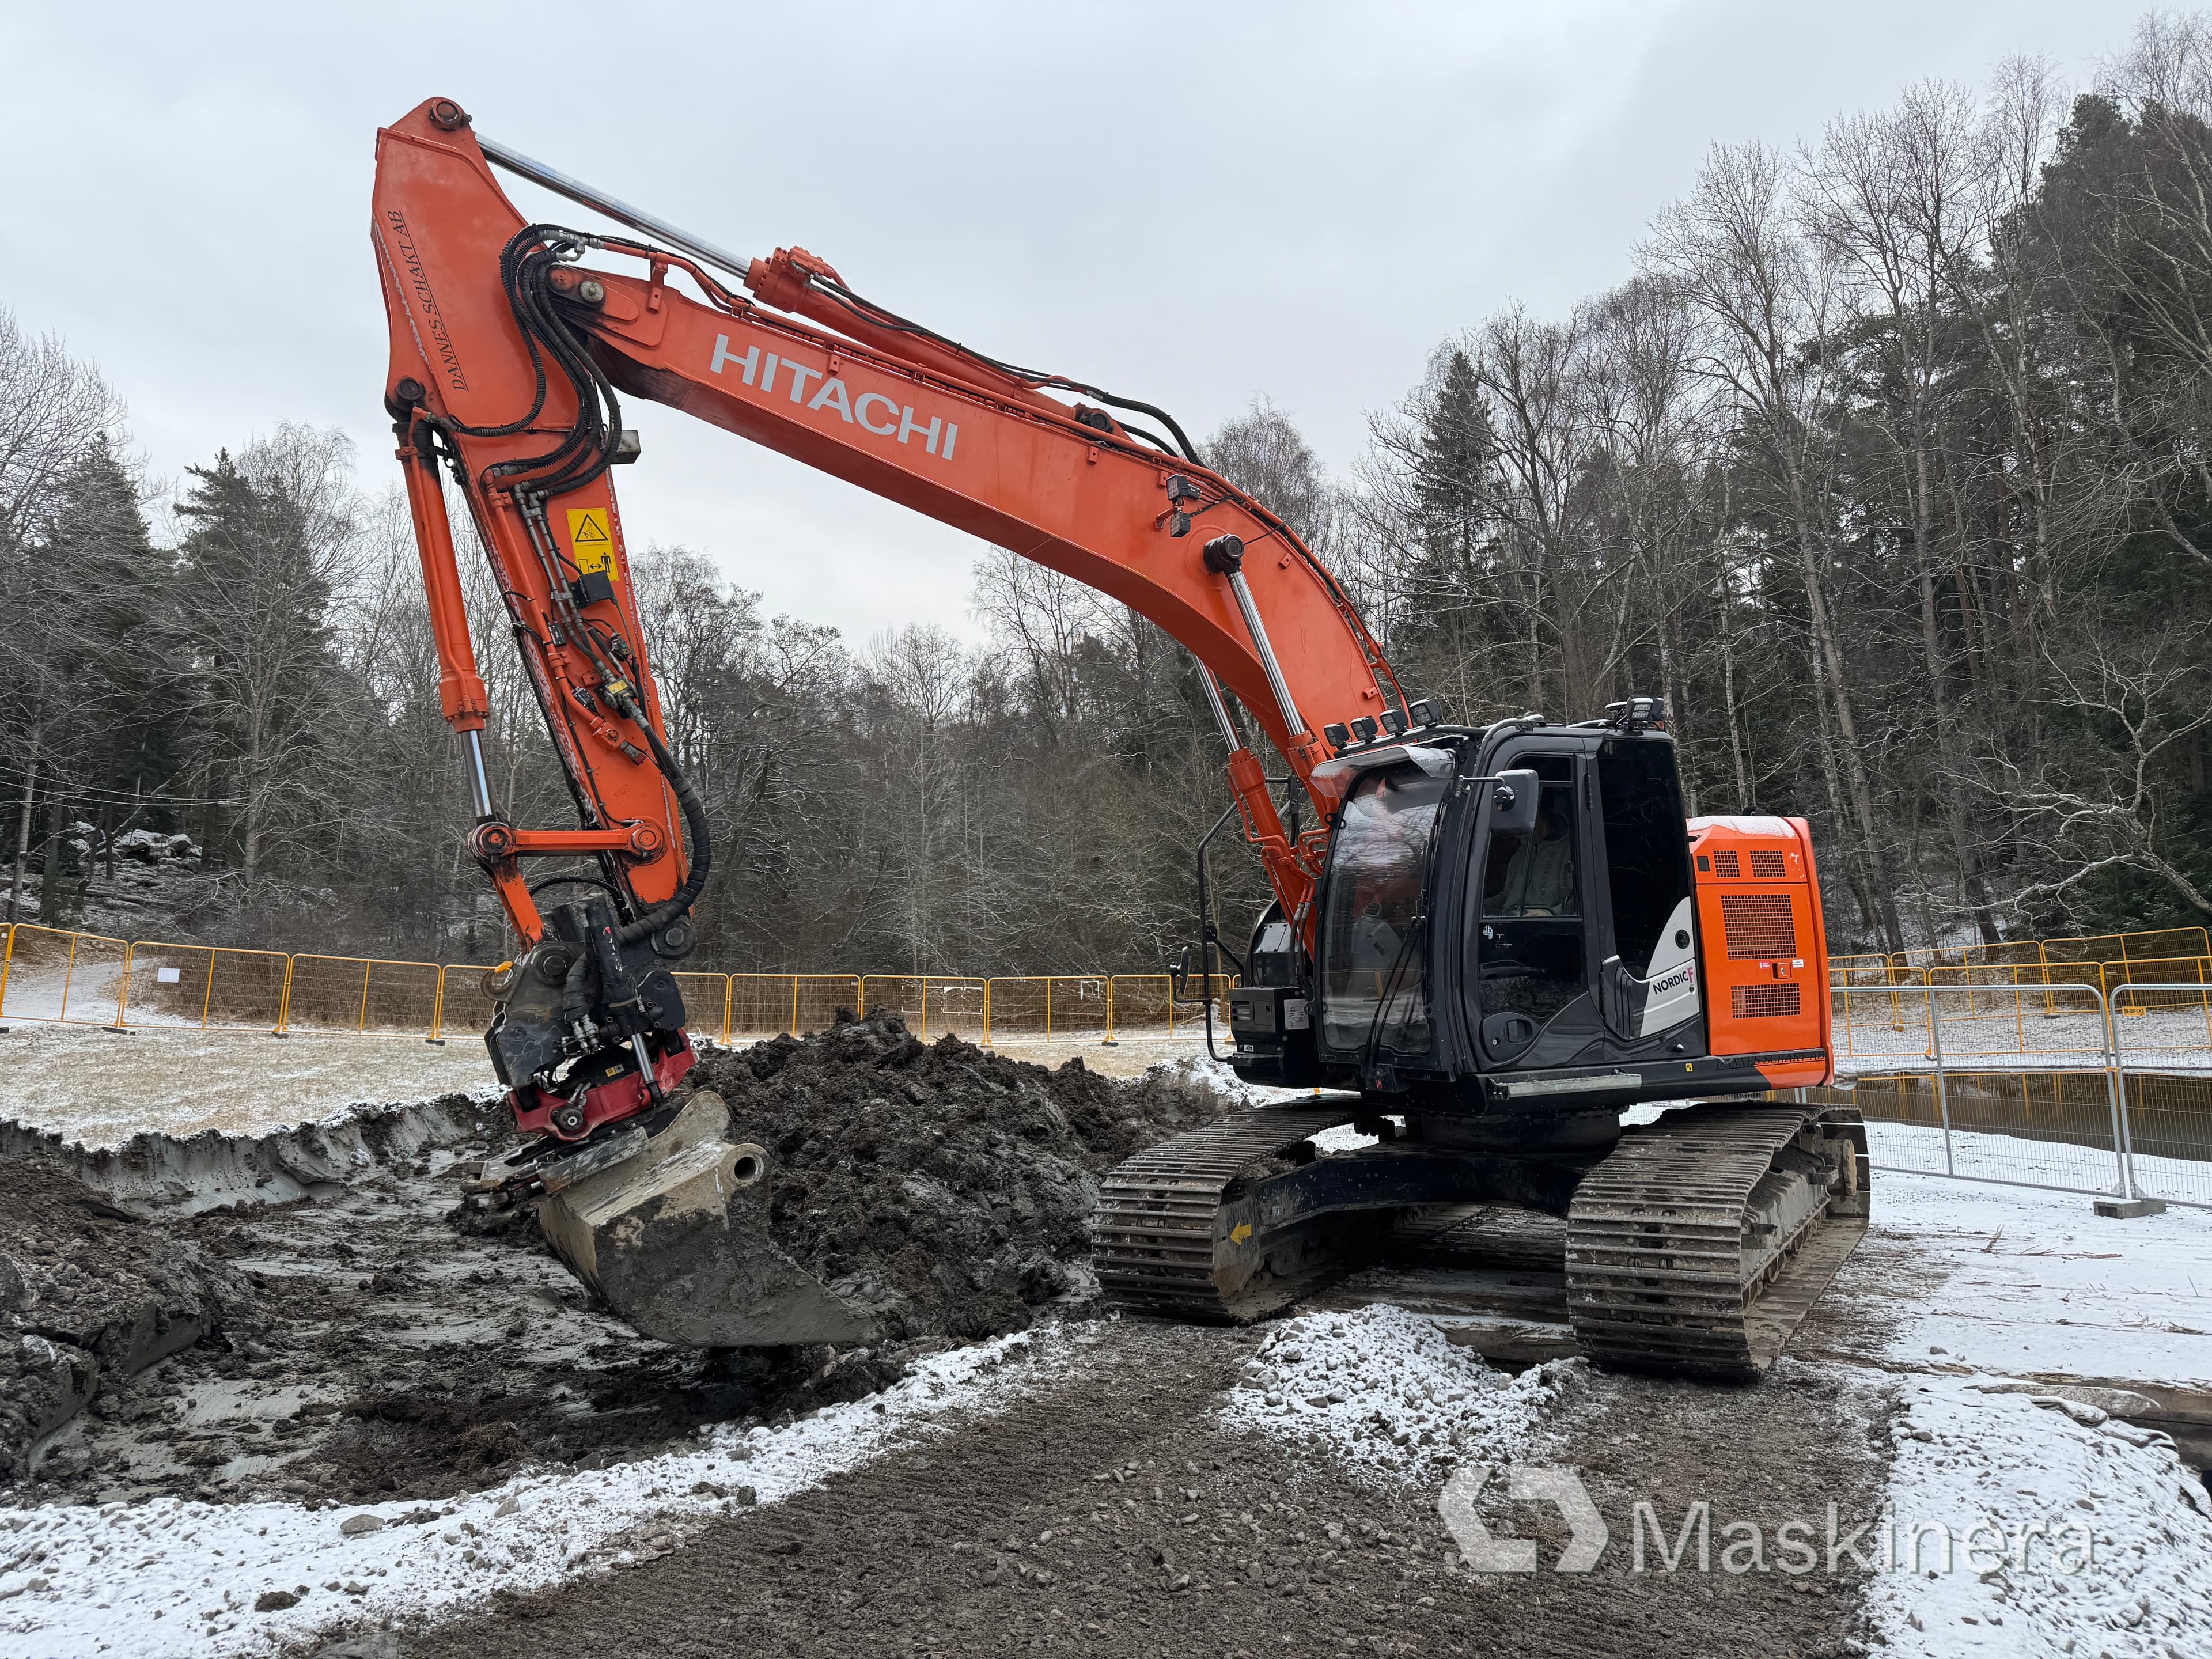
1115	1515
90	1296
314	1315
944	1189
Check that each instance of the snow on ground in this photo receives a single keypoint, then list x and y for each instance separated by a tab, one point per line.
2034	1281
1385	1391
2122	1563
181	1578
99	1089
2020	1157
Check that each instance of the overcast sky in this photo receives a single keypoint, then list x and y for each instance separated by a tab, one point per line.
1192	204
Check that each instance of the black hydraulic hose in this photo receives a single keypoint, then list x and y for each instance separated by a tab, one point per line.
576	996
702	843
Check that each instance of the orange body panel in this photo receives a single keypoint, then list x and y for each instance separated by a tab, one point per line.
1764	945
898	415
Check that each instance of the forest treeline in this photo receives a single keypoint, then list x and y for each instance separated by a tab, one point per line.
1890	464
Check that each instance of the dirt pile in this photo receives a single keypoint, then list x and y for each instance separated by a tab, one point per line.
332	1336
947	1189
90	1295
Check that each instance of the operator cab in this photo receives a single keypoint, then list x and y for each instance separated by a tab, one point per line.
1475	945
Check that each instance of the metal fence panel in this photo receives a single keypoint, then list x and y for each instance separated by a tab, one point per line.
706	1004
53	975
204	987
2167	1112
931	1005
2051	1129
366	996
465	1008
1051	1005
1145	1005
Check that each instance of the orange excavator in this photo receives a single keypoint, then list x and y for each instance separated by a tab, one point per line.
1494	941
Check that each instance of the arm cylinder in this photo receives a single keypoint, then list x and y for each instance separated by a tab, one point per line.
460	688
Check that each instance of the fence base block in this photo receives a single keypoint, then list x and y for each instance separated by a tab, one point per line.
2129	1209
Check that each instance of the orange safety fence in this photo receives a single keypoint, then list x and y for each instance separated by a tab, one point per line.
1051	1005
464	1005
52	975
931	1004
366	996
787	1005
2008	997
706	1003
1145	1005
203	987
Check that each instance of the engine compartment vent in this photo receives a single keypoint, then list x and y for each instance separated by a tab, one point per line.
1760	925
1768	864
1765	1001
1725	863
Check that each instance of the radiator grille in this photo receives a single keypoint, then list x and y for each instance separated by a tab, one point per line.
1760	925
1764	1002
1767	865
1724	863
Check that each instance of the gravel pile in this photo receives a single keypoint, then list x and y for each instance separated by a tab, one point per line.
947	1188
1385	1390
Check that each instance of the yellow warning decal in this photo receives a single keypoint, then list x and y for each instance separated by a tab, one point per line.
1242	1231
589	544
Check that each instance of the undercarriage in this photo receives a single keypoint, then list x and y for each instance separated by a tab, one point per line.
1694	1246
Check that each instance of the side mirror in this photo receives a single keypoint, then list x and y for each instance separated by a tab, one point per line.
1179	976
1513	800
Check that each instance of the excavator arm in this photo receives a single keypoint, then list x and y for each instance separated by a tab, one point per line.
509	358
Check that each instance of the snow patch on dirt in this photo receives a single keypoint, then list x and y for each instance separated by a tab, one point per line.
2034	1281
182	1578
1387	1391
2006	1463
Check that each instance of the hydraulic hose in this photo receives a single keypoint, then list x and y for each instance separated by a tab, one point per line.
702	843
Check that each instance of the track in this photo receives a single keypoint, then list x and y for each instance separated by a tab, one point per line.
1695	1248
1159	1242
1700	1245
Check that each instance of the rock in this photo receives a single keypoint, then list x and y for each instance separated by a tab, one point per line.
508	1506
275	1600
355	1525
747	1496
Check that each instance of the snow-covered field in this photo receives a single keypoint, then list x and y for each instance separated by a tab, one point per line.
100	1088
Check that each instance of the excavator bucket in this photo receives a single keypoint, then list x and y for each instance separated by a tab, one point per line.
671	1232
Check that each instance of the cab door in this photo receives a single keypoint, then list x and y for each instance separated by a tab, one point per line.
1527	954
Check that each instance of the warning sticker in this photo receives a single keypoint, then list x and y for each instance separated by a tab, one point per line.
588	542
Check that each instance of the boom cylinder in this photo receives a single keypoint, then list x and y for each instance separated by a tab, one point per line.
1224	555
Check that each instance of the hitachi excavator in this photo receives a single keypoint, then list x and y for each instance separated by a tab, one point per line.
1495	941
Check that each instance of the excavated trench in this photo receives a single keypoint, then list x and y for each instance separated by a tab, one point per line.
314	1313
